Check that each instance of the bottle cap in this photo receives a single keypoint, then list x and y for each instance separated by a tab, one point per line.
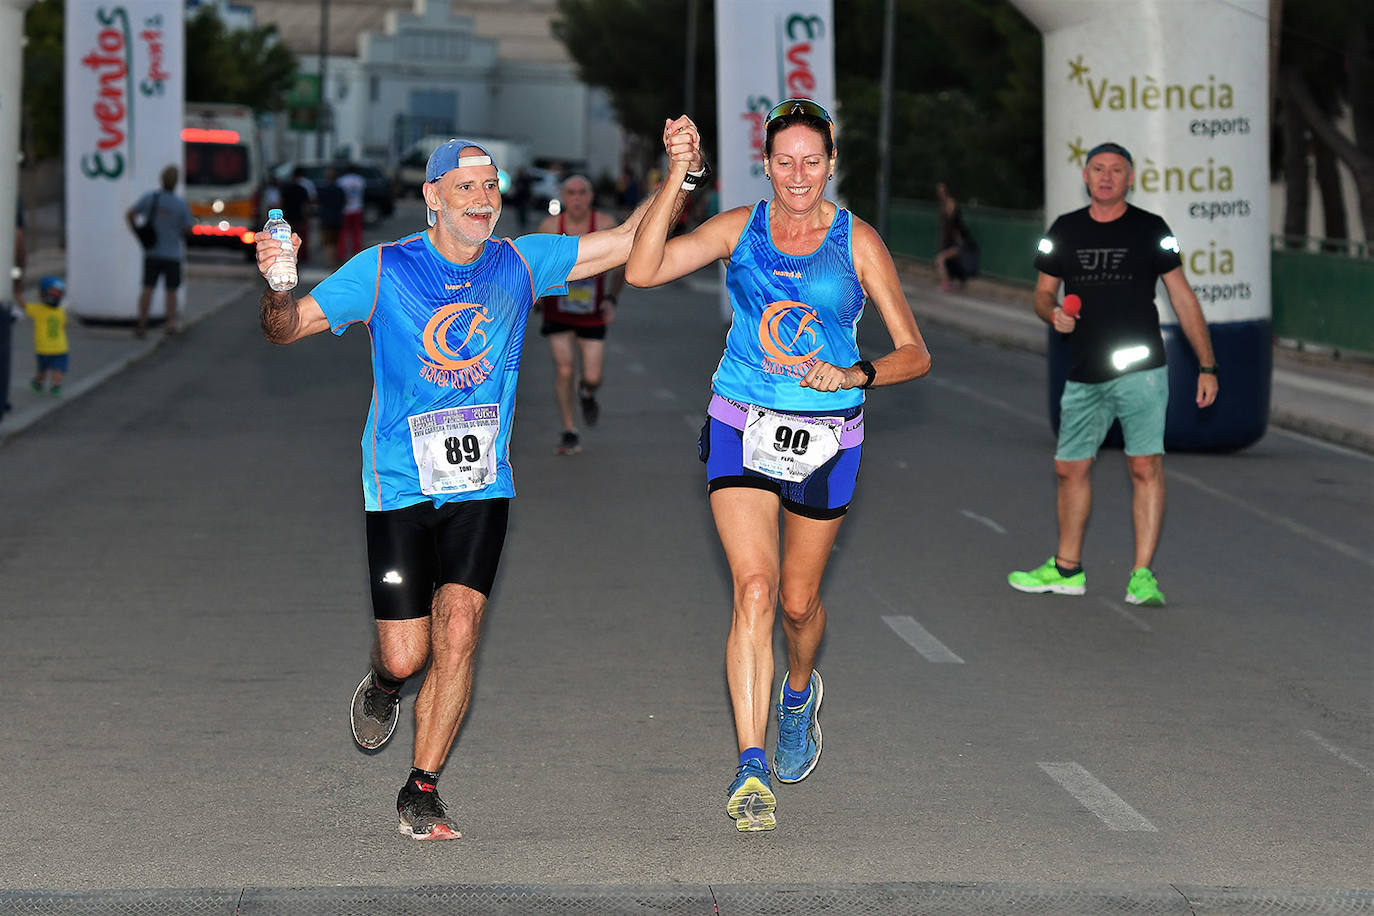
274	213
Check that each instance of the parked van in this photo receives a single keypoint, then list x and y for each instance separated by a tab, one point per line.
509	157
224	173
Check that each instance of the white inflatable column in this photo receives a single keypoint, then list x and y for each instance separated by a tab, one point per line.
1184	86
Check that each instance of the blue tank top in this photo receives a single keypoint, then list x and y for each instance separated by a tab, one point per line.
790	312
446	345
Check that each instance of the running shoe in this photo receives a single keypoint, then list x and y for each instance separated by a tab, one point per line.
751	801
36	385
799	735
591	411
569	444
422	813
1143	589
55	391
1047	579
374	714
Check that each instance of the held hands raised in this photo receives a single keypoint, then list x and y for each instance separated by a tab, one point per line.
682	143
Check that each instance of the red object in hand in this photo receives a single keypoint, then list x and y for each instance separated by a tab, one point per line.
1072	305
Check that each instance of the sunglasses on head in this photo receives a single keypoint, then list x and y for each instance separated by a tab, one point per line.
798	106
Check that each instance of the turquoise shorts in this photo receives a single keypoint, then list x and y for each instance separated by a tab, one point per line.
1086	411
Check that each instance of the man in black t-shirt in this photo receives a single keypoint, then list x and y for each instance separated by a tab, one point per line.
1108	256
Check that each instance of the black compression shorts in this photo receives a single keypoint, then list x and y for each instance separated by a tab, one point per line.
413	551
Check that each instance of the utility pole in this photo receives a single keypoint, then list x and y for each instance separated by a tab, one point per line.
885	120
691	63
322	106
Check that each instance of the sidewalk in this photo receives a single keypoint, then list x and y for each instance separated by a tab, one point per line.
100	352
1319	395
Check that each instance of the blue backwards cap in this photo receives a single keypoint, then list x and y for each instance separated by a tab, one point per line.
447	158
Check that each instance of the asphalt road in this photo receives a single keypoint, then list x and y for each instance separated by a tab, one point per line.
185	616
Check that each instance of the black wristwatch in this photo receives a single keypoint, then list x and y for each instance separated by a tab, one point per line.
693	180
1208	370
867	369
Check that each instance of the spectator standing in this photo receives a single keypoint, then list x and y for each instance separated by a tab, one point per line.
957	258
351	225
329	204
49	335
170	219
1108	255
296	195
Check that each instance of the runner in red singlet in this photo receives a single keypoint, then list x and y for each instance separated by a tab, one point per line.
576	324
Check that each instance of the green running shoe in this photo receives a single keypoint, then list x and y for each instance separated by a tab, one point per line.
752	802
1047	579
1143	589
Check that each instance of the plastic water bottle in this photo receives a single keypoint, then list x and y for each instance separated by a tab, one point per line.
281	276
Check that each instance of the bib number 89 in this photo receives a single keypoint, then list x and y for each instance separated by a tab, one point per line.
466	450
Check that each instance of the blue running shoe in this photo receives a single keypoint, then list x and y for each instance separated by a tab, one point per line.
751	801
799	735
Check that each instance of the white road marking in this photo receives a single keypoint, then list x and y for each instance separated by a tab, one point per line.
1096	797
983	520
1340	754
919	638
635	368
1321	443
1136	621
1283	522
693	421
664	394
986	399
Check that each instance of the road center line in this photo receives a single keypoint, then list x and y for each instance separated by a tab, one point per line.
1340	754
1136	621
1096	797
983	520
919	638
1287	523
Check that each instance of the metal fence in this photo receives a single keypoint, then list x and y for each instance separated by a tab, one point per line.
1323	289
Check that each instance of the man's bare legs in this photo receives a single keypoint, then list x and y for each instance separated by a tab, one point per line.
1075	502
1147	505
447	640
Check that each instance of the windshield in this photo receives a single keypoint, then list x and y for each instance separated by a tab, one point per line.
216	164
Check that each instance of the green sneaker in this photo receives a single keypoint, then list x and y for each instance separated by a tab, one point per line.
1143	589
1047	579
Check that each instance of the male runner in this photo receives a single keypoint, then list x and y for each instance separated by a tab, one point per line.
1108	254
576	323
445	310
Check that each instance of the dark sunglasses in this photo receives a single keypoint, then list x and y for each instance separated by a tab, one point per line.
799	106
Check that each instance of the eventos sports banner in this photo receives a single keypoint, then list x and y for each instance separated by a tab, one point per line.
766	51
125	85
1183	85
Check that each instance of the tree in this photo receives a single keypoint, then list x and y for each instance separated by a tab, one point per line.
247	66
967	108
42	109
1325	66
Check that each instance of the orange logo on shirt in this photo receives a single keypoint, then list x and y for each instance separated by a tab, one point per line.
787	327
447	367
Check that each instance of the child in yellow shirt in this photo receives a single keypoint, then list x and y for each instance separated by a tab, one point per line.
49	333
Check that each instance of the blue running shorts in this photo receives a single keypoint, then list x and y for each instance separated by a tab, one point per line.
1086	411
825	494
